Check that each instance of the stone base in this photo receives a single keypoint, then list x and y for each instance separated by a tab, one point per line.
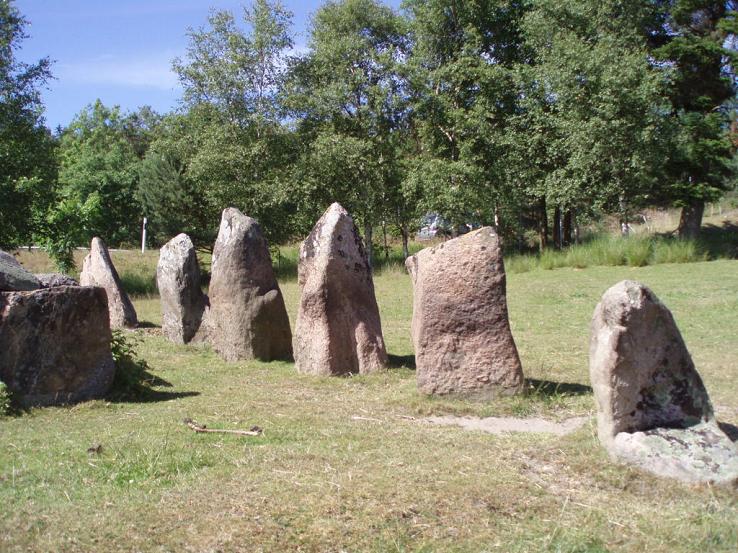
698	454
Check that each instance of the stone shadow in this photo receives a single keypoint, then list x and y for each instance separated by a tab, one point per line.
401	361
731	431
551	388
147	395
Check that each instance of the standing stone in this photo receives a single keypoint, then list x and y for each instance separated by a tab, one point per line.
182	300
461	334
55	345
338	330
653	410
247	317
13	277
98	270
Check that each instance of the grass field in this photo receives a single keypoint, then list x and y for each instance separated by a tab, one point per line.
342	465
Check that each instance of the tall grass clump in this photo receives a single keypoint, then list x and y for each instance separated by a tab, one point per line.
139	283
521	263
637	250
677	251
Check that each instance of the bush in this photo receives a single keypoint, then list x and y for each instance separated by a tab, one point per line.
132	377
6	400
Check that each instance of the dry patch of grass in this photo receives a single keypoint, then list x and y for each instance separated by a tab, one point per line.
342	466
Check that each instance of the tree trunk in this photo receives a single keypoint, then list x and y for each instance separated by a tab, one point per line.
568	224
368	244
557	228
691	219
405	240
542	224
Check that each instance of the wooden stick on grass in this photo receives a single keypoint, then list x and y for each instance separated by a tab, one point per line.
197	427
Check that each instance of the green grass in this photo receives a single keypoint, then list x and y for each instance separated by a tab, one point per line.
321	479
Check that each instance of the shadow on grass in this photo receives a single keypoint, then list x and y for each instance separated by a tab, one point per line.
401	361
147	324
147	395
720	241
550	388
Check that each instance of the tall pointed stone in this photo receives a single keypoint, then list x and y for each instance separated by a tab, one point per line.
338	330
461	334
98	270
183	303
247	317
653	410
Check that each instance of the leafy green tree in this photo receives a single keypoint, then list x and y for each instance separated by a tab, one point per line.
463	91
236	150
348	96
697	45
98	173
27	167
591	130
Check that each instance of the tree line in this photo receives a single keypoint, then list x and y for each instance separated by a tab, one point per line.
530	115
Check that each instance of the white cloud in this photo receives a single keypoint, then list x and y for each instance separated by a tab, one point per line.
139	72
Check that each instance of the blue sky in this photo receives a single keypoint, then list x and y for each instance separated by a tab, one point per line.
121	50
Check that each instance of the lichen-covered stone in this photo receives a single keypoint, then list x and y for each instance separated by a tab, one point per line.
55	345
98	270
338	330
652	408
247	317
461	333
183	303
13	277
52	280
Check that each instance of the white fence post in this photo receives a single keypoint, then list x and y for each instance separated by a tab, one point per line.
143	236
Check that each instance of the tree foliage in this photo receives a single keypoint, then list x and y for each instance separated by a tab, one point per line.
27	165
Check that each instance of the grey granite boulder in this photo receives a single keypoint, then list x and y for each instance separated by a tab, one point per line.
183	303
13	277
98	270
247	318
338	329
653	410
461	334
55	345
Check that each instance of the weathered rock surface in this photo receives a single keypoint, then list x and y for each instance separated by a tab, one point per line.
55	345
653	410
338	330
461	333
52	280
13	277
247	316
182	300
98	270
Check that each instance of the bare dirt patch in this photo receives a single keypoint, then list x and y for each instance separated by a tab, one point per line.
501	425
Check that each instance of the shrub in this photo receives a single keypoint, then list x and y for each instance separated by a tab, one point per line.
6	400
132	377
